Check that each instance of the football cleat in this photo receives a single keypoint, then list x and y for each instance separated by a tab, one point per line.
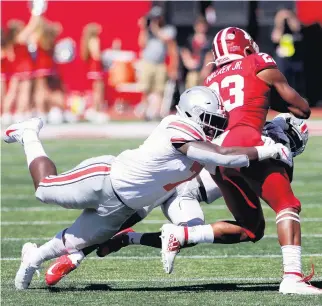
14	133
26	270
117	242
299	285
63	266
172	238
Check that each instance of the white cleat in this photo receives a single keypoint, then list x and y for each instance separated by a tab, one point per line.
14	133
26	270
172	238
298	285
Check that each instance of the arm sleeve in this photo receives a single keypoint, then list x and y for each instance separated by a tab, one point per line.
209	158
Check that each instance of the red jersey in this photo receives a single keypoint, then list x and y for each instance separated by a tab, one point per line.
95	69
245	96
44	64
5	68
23	64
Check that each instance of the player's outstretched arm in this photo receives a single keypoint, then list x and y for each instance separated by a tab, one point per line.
233	157
297	105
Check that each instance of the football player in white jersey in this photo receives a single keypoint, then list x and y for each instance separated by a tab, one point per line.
110	190
182	208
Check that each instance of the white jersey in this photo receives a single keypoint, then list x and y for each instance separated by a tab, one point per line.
150	174
202	188
185	202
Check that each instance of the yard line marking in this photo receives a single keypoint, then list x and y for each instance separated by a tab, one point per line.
17	197
41	222
31	196
205	207
32	208
172	280
142	258
48	238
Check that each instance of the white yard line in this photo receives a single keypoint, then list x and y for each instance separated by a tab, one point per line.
10	239
31	208
171	280
120	130
205	207
30	196
41	222
143	258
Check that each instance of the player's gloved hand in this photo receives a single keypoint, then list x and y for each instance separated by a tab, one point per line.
276	151
283	154
38	7
268	141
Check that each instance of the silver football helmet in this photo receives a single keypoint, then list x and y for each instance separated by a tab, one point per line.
296	131
205	107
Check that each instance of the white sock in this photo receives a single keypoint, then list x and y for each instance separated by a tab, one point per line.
134	238
52	249
292	260
200	234
76	257
32	146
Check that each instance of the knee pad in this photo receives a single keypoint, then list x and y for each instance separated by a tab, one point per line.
289	203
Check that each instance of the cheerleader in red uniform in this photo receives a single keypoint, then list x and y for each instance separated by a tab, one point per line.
48	92
91	54
21	63
5	68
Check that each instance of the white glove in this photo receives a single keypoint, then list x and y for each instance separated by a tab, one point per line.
268	141
276	151
38	7
283	154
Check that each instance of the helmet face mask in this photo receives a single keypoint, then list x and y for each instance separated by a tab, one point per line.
205	107
297	135
213	125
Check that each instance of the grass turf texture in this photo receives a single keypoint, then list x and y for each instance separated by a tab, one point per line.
245	274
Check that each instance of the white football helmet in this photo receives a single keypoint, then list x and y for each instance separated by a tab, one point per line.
205	107
296	130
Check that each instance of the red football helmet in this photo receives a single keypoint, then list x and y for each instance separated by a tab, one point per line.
232	44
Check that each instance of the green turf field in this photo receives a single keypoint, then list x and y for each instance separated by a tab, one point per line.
245	274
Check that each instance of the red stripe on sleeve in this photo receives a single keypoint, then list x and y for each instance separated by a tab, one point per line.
76	175
187	128
173	139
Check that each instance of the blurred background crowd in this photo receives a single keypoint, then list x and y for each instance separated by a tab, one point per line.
97	61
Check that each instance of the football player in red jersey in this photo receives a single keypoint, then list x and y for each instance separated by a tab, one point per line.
245	79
